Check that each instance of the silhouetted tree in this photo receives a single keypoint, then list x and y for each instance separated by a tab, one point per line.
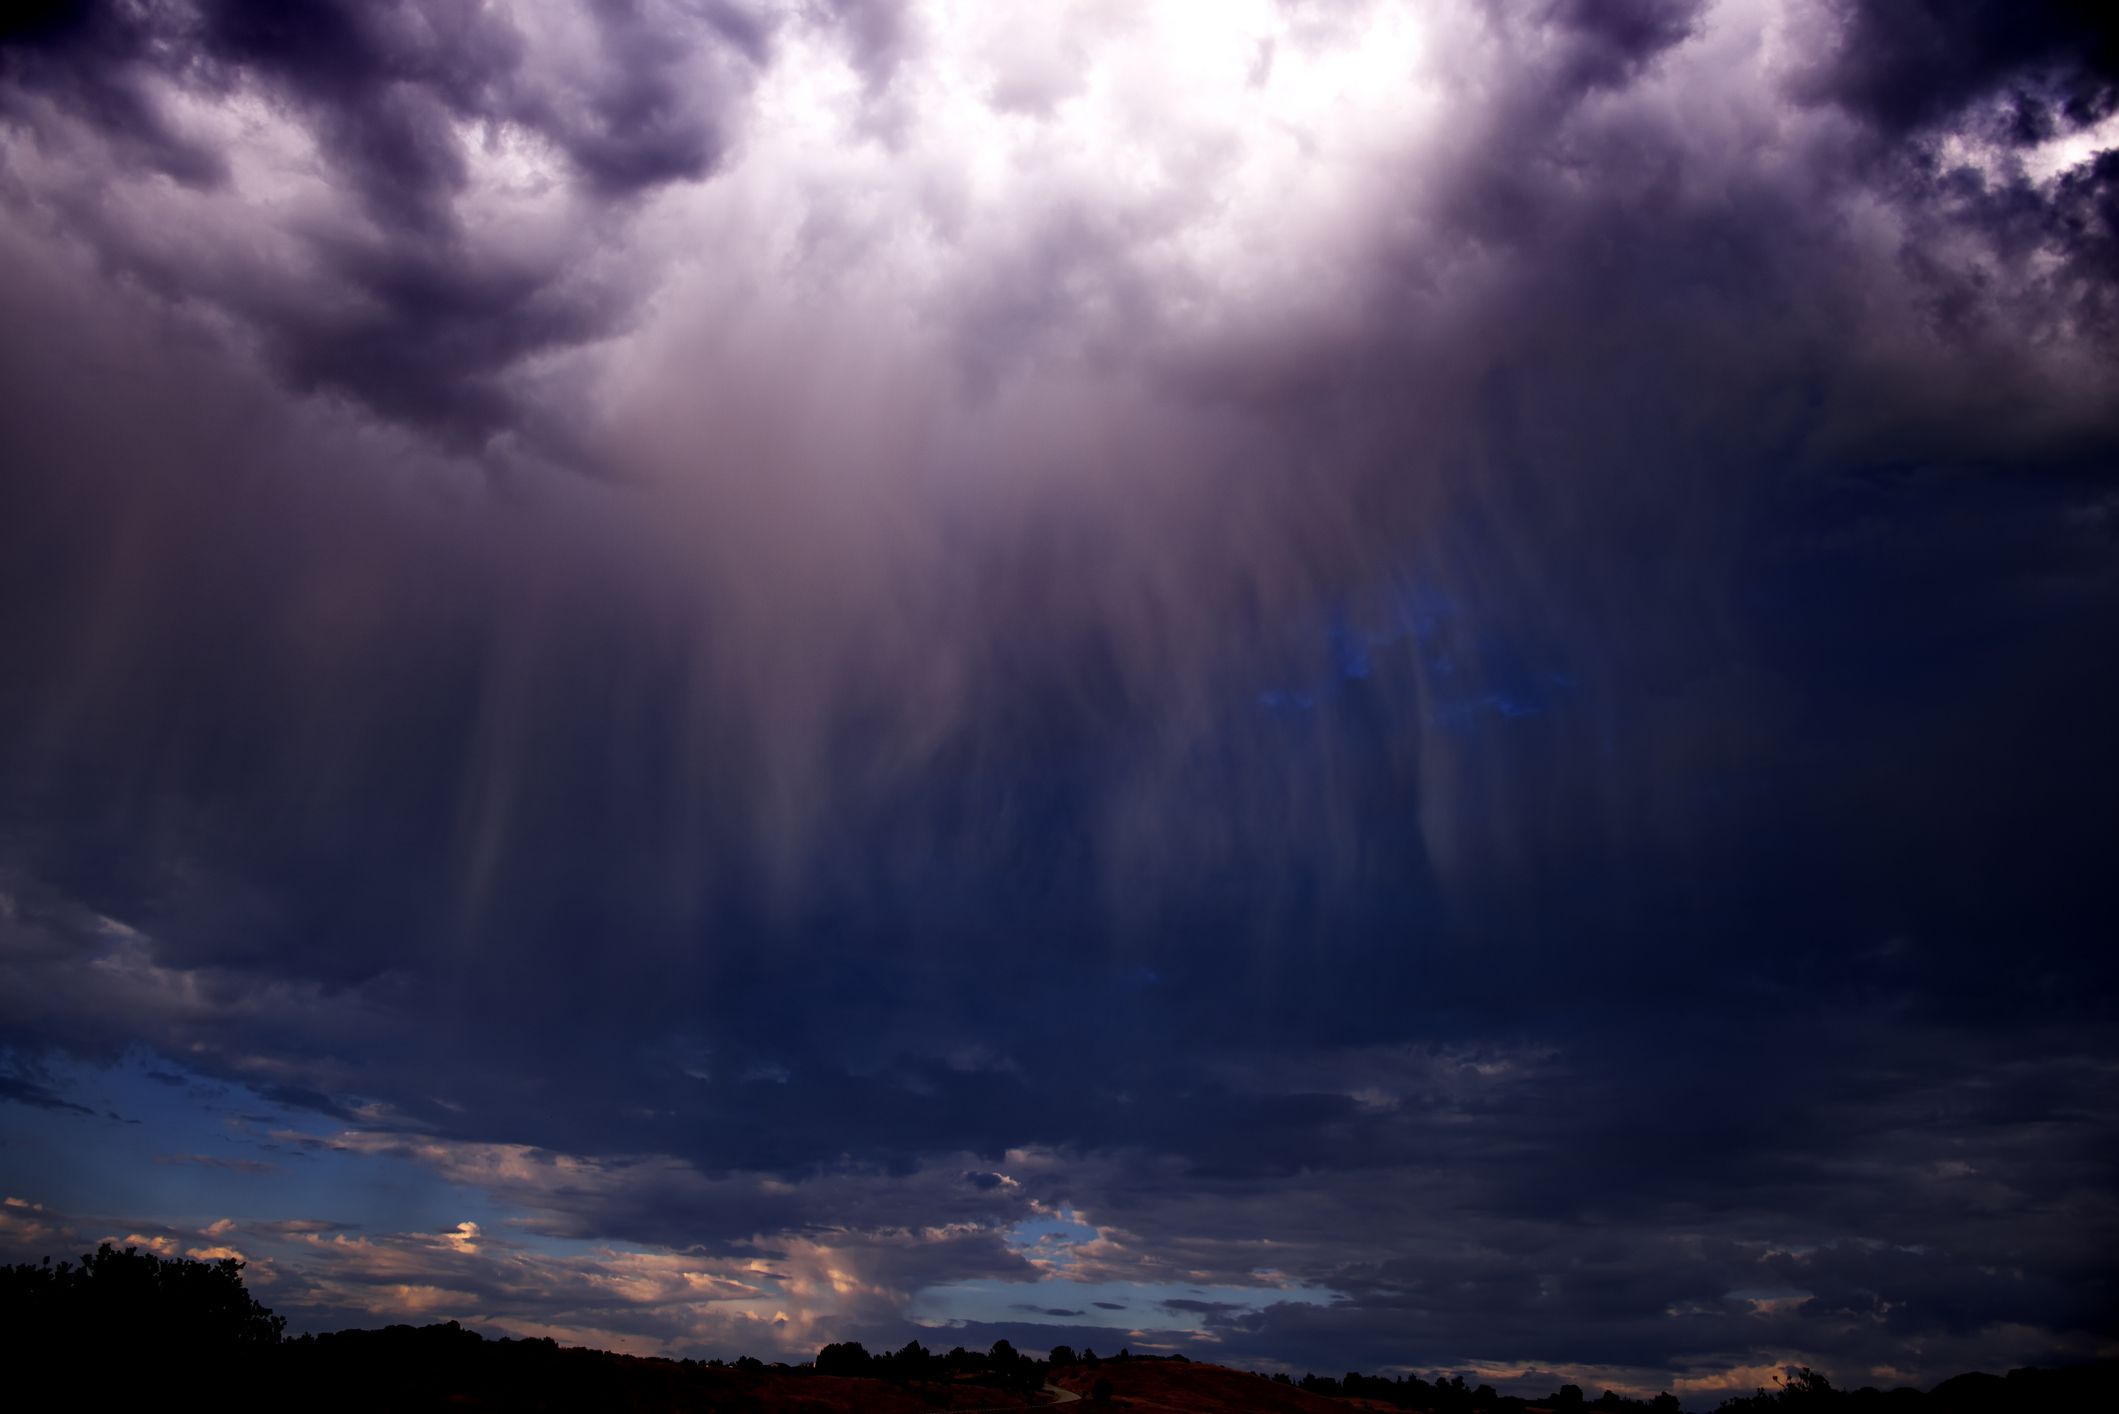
1101	1392
1061	1357
145	1305
1804	1389
849	1358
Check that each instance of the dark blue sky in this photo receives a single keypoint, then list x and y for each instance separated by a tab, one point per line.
1405	687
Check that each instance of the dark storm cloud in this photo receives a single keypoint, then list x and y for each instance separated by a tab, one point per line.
1908	66
1487	772
2013	76
379	85
1612	41
89	56
1513	397
414	307
24	1091
376	87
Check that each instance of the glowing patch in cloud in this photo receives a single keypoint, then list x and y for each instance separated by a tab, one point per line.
1232	148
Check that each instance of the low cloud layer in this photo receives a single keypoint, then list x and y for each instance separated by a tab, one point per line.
1422	678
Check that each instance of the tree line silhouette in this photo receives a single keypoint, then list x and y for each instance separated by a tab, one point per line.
1001	1367
179	1315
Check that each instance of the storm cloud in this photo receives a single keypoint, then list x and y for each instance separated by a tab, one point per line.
1400	686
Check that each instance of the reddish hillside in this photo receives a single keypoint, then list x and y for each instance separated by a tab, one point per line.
771	1392
651	1386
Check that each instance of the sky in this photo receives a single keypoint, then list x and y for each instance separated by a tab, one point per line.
1366	685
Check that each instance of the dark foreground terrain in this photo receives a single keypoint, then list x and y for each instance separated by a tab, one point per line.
129	1330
